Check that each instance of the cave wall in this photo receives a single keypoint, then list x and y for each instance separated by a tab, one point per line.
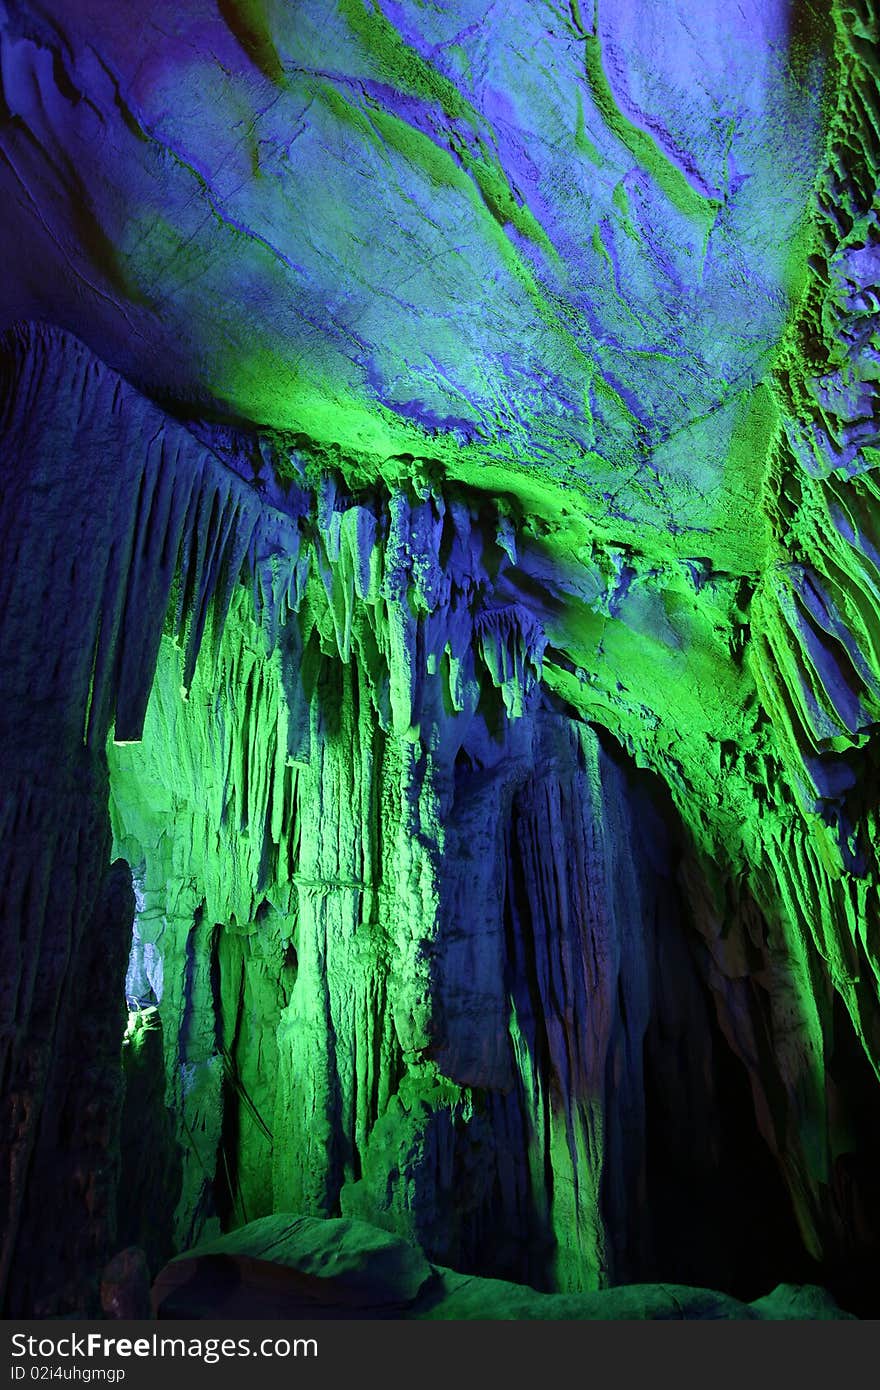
340	1038
309	819
484	754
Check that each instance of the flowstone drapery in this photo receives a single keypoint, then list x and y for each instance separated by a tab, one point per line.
441	652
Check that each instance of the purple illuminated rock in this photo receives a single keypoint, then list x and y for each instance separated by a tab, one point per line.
125	1285
440	605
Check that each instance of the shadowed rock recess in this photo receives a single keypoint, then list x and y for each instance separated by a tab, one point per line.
440	657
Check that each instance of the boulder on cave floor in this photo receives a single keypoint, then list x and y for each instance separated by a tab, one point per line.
287	1266
294	1266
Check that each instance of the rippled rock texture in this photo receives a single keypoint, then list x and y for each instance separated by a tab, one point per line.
440	616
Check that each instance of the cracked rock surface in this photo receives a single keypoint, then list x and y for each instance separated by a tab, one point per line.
440	615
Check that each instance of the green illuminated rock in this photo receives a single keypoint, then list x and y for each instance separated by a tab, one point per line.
441	612
294	1267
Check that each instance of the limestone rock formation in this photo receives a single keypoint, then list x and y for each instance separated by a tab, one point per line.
295	1267
440	630
279	1262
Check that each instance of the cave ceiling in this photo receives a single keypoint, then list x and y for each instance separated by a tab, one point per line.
550	253
514	353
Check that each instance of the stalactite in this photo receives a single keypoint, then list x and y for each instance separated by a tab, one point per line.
390	756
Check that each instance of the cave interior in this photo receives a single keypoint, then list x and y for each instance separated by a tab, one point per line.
440	654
